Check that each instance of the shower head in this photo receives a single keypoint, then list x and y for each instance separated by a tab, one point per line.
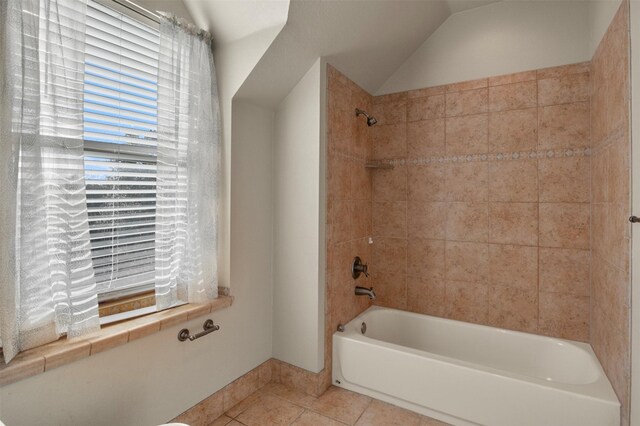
370	119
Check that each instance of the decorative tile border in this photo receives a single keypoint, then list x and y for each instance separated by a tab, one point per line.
501	156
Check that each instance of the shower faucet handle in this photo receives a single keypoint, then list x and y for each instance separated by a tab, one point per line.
357	268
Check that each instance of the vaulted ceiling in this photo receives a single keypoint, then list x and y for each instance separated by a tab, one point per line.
367	40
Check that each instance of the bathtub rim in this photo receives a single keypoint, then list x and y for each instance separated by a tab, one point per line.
600	389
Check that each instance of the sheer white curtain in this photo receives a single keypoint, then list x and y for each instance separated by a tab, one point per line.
188	163
47	285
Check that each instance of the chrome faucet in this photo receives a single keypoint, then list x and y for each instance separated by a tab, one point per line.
363	291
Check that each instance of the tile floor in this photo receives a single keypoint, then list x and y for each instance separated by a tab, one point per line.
275	404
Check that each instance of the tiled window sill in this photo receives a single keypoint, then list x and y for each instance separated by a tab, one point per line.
64	351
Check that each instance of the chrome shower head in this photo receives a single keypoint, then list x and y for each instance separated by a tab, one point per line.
370	119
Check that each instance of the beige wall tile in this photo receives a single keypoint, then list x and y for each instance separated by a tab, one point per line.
579	68
513	96
467	181
390	184
427	91
466	301
513	266
467	134
22	367
618	171
341	115
467	102
146	329
427	183
338	220
390	219
600	176
426	295
564	126
564	225
610	287
564	89
394	112
467	85
425	108
513	223
425	258
468	222
362	220
425	138
240	389
515	130
426	219
298	379
564	315
361	182
69	352
564	271
512	78
610	290
473	227
389	141
564	179
391	97
115	337
391	289
513	181
513	308
338	176
389	255
468	262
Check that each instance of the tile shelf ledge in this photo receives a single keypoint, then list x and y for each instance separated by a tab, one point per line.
64	351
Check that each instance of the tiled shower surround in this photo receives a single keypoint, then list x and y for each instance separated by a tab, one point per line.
507	203
610	199
349	145
485	215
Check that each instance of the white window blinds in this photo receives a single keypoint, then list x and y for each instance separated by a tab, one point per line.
120	125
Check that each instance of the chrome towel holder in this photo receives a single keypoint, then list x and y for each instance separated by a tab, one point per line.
208	327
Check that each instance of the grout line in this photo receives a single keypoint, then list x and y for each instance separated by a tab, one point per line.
365	409
538	108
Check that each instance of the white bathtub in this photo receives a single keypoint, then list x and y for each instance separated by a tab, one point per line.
467	374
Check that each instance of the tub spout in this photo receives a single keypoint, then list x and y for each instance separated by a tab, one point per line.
363	291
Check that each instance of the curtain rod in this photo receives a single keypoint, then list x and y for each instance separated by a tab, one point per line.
154	17
134	7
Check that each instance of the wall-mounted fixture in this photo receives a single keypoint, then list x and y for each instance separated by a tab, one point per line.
363	291
357	268
208	327
371	120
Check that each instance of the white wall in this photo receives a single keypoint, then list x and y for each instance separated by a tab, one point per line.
298	299
234	62
151	380
498	38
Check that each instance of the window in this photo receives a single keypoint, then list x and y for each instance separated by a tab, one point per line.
120	125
